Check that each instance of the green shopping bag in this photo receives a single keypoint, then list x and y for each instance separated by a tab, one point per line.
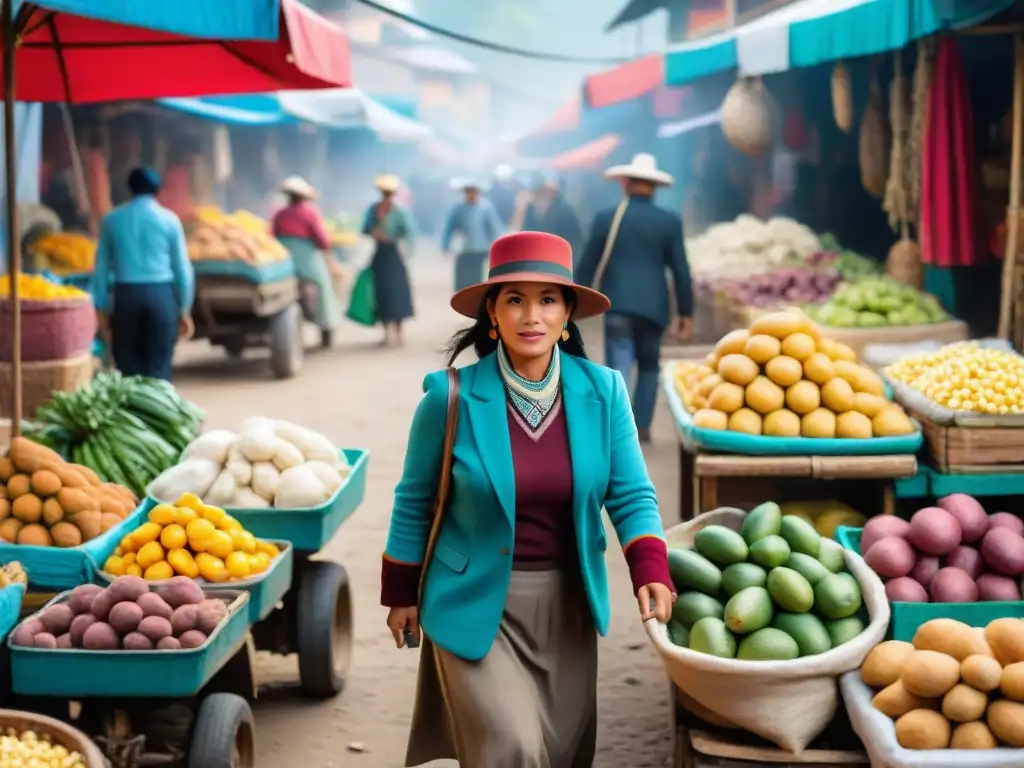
362	305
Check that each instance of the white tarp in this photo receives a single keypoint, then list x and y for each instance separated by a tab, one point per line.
351	108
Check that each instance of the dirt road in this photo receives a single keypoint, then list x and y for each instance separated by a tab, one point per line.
364	396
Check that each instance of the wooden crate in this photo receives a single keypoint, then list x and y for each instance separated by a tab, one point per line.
973	450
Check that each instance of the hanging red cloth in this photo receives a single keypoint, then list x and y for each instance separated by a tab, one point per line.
950	232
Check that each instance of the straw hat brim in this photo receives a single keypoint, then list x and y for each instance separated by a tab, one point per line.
589	303
300	190
652	175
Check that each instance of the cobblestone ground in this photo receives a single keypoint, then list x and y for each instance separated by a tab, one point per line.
362	395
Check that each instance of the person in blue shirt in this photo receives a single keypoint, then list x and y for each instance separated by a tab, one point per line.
476	220
144	284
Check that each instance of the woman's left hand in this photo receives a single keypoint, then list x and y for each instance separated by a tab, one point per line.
661	596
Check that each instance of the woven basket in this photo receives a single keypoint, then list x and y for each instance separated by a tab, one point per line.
41	379
60	733
904	263
50	330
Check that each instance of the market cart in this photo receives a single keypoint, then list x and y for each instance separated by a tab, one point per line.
236	312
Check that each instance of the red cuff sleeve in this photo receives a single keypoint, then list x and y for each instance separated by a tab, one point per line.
399	584
647	559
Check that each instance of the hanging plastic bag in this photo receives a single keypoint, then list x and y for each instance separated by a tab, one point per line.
362	306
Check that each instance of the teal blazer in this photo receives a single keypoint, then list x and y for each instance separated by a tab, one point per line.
467	582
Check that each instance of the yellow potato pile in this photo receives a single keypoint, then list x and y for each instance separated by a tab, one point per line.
782	379
954	686
965	377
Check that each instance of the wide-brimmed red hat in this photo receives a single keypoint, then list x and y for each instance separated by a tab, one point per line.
530	257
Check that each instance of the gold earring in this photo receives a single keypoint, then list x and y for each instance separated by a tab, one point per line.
493	333
565	334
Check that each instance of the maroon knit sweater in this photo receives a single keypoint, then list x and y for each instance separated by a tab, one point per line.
544	528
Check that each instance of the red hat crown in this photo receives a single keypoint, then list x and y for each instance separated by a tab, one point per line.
533	252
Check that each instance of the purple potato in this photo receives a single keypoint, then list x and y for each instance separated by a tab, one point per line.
968	560
905	590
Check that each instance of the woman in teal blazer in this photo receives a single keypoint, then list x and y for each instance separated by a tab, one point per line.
517	591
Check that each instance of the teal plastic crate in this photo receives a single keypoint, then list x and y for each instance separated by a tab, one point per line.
77	673
265	590
907	617
309	530
10	607
56	569
725	441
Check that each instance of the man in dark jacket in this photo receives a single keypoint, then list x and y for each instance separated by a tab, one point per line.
549	212
648	242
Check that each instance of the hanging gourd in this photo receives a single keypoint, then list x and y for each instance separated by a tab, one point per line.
842	97
874	142
904	259
747	117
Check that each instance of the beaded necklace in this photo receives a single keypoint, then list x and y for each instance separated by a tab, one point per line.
533	401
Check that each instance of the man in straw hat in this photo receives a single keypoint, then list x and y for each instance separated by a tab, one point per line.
391	227
479	225
630	248
301	229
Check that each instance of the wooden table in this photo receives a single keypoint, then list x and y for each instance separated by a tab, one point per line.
708	481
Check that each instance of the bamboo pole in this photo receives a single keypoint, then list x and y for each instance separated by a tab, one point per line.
1008	290
11	201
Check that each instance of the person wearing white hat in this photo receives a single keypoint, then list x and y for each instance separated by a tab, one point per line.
479	225
549	212
630	248
301	229
391	227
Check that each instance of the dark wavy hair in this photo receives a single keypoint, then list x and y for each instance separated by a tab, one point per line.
476	336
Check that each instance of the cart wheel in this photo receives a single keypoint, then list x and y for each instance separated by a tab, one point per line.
224	735
286	342
324	629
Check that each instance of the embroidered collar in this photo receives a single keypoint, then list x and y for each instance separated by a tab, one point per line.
532	400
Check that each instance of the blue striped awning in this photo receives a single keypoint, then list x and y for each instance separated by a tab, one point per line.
809	32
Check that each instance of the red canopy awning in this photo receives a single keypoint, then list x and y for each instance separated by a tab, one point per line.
628	81
587	157
565	118
64	57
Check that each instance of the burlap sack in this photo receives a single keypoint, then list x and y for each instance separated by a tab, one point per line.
786	702
878	734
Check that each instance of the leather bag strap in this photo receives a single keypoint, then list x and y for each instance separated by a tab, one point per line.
609	243
445	480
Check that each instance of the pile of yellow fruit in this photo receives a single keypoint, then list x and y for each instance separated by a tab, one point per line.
28	748
189	538
65	252
242	236
780	378
965	377
38	288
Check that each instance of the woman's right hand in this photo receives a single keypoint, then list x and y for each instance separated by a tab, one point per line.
400	619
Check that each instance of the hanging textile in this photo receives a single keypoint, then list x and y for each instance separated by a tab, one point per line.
949	184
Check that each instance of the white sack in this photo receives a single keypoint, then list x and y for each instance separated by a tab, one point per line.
788	703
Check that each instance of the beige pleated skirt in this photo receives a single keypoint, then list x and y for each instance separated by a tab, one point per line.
531	702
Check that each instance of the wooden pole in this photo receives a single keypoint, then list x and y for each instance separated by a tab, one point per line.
1008	290
11	200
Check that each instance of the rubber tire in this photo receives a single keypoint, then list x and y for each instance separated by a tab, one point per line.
324	594
220	718
286	350
235	347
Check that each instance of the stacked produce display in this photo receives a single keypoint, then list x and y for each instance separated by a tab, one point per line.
775	590
782	378
64	253
39	288
965	377
45	501
267	463
877	302
27	748
826	516
126	429
241	236
950	553
954	686
194	540
128	616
